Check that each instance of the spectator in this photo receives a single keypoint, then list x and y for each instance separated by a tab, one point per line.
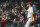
8	22
5	4
34	6
0	5
14	23
3	23
20	23
12	16
35	20
1	11
18	18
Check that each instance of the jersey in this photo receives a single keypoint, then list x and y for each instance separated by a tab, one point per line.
30	10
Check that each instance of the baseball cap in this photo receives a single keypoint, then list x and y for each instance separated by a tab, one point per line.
29	3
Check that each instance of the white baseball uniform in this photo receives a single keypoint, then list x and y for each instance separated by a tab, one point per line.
30	10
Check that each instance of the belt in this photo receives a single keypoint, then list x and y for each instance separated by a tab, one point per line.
29	17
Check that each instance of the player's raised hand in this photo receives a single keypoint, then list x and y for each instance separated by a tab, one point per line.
23	8
21	5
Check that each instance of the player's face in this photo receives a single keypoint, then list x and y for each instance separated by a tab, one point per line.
27	5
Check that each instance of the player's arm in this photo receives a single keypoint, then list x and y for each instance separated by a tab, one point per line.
24	9
32	16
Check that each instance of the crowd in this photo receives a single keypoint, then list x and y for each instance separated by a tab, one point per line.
12	14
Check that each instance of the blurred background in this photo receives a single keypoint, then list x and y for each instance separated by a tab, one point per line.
12	15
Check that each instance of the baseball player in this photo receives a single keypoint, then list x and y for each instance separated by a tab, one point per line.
30	14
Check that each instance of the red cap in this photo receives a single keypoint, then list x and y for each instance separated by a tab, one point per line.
29	3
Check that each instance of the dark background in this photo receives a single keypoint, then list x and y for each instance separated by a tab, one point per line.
20	0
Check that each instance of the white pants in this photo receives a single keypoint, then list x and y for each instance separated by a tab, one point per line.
28	22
